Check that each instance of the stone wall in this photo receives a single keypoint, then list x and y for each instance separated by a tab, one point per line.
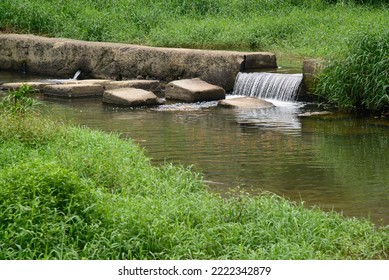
63	57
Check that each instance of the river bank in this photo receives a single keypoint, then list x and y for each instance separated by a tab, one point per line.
84	194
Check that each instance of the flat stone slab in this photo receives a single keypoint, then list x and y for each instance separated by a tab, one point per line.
74	90
101	82
15	86
150	85
130	97
245	102
193	90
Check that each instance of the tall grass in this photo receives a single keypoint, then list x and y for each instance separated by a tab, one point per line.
72	193
291	27
359	78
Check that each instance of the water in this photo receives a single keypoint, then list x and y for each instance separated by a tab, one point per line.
75	77
282	87
336	162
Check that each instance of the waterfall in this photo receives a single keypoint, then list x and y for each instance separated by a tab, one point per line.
76	75
282	87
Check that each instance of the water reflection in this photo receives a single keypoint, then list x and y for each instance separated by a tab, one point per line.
336	162
282	117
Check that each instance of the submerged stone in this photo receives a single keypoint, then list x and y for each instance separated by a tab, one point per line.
312	114
245	102
193	90
130	97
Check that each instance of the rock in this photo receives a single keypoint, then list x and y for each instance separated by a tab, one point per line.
130	97
193	90
245	102
74	90
150	85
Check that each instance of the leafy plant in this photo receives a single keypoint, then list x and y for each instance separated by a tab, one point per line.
19	101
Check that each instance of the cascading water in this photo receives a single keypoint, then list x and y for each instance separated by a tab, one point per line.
282	87
75	77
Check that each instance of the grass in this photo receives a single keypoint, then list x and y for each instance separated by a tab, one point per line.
358	78
288	27
72	193
19	101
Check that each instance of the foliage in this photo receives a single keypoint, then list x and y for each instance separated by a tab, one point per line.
72	193
19	101
359	79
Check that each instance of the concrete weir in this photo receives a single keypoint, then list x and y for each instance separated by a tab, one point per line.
63	57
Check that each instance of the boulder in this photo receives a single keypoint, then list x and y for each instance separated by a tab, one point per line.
193	90
74	90
150	85
130	97
245	102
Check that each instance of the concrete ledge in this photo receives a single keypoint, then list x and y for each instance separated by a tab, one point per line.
63	57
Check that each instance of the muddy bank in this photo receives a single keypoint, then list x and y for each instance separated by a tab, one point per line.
63	57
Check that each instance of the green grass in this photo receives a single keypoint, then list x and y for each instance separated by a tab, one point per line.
72	193
358	78
288	27
19	101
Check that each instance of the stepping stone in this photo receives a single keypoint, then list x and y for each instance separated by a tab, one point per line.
38	86
245	102
130	97
193	90
150	85
100	82
74	90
